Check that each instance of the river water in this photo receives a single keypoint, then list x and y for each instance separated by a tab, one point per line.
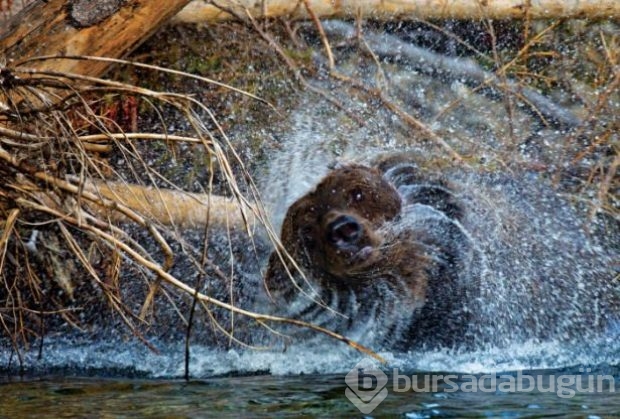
306	395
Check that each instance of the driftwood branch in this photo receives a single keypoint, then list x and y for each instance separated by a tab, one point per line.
170	207
201	11
111	29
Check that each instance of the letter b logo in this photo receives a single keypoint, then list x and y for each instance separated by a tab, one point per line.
365	387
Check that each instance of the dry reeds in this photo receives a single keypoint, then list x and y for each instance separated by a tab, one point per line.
78	181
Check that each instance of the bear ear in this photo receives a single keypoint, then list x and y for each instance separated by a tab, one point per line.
339	164
302	212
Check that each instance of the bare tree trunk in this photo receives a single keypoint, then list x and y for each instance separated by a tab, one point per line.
201	11
106	28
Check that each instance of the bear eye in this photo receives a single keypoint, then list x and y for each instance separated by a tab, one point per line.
356	195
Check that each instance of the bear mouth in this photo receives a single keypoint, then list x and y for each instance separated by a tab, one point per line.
363	254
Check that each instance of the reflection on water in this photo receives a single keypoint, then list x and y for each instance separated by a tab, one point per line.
269	396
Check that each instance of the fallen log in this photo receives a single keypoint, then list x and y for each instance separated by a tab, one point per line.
201	11
108	28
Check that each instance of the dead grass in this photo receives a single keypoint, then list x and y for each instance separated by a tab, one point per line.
66	141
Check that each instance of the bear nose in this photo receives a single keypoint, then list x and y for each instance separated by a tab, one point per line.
344	229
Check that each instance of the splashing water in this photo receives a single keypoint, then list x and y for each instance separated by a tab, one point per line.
546	294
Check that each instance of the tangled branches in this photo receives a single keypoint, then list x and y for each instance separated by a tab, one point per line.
81	194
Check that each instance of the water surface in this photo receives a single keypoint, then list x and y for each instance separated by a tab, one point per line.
283	396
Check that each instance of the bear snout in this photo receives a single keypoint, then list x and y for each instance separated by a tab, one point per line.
344	231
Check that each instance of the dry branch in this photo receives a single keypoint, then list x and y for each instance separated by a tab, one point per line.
201	11
61	189
162	273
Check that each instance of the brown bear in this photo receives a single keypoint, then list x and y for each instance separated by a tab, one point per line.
397	257
367	270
